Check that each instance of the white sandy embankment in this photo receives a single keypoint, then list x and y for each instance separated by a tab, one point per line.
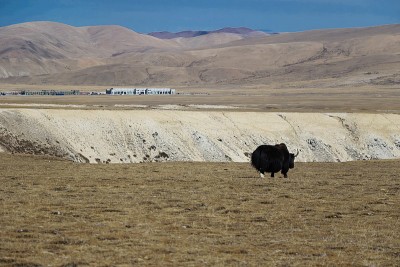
122	136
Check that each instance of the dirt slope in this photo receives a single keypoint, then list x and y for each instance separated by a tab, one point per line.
171	135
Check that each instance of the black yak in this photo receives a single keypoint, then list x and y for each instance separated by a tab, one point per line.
268	158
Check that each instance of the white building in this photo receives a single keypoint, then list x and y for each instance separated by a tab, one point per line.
140	91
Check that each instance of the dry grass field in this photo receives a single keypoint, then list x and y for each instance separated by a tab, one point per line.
59	213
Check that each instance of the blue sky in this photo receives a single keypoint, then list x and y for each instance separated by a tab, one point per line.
177	15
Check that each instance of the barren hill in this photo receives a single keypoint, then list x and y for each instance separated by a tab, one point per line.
54	53
29	49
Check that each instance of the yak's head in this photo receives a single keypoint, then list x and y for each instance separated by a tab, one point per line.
292	156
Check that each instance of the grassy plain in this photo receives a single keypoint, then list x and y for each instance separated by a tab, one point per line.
292	97
60	213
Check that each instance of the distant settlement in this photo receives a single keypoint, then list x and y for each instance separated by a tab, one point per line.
110	91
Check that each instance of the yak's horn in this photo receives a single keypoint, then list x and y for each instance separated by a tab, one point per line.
297	153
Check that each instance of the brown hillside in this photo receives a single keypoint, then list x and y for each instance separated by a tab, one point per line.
34	48
104	55
208	40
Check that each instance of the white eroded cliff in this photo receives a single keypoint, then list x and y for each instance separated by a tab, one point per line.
121	136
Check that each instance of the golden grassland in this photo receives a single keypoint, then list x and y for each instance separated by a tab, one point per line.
60	213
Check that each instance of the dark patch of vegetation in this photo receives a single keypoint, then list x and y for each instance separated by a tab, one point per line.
162	155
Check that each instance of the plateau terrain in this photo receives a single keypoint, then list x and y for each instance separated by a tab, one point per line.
186	194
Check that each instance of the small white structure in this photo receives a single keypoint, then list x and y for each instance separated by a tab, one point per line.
140	91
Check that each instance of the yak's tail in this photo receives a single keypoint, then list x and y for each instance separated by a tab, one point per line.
256	159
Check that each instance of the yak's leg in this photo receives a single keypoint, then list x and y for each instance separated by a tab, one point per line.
285	175
272	174
262	173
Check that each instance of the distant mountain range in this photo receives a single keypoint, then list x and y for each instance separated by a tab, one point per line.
189	34
55	53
